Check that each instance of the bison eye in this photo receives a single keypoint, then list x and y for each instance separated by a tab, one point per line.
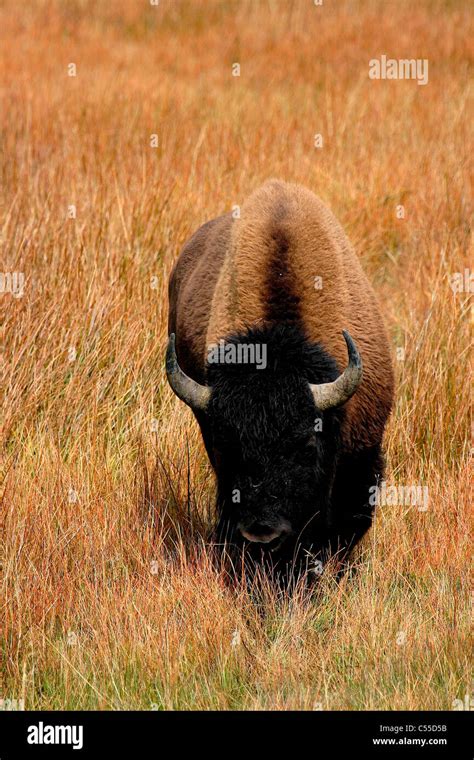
309	441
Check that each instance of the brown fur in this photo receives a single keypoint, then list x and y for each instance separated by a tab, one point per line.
261	268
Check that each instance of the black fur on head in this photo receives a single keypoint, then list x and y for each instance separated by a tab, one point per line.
274	453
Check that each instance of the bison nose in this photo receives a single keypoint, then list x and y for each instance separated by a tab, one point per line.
262	533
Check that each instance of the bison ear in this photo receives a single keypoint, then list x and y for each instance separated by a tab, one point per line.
192	393
328	395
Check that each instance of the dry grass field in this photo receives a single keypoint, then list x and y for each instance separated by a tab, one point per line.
106	492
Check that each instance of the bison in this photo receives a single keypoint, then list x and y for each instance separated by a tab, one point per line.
277	344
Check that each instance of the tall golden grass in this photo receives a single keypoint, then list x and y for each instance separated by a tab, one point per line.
106	489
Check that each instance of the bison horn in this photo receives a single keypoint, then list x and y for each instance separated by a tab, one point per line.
327	395
192	393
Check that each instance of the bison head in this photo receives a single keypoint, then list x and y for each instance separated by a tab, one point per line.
271	430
